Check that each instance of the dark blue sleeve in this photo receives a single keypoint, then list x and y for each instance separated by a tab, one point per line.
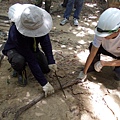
10	44
47	48
23	46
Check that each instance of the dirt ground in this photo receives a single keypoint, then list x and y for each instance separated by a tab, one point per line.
96	99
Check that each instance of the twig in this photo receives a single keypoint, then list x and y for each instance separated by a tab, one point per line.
1	58
40	97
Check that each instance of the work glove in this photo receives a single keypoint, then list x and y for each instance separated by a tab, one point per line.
82	76
48	89
98	66
53	67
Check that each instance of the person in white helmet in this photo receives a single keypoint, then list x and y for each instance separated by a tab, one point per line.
29	43
106	42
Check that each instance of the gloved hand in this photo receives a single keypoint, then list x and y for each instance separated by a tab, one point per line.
53	67
82	76
48	89
98	66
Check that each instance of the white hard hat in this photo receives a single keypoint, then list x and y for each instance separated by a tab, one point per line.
109	22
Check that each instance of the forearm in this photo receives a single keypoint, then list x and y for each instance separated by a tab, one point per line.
88	63
90	58
111	63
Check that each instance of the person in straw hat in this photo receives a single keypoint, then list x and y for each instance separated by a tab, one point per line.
105	48
30	27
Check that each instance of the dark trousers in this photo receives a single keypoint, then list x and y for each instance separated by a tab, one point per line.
97	58
18	62
47	4
65	3
103	51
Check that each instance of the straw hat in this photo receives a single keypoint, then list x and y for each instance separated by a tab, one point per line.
33	21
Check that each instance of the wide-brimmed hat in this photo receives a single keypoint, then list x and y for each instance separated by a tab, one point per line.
16	10
33	21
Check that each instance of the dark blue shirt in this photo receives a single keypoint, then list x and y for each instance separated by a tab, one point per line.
24	46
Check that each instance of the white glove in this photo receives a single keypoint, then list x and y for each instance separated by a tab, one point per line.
53	67
82	76
48	89
98	66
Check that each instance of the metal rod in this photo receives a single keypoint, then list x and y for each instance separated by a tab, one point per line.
60	84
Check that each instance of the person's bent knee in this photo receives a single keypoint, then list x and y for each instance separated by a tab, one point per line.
18	62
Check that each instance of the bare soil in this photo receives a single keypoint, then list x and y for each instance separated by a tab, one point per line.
96	99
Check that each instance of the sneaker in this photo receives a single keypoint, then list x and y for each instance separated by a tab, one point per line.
75	22
64	21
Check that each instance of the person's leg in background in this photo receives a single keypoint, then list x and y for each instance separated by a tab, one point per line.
39	3
64	4
18	64
78	7
67	12
69	8
48	5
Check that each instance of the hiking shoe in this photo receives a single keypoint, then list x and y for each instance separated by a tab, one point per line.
75	22
22	78
22	81
14	74
64	21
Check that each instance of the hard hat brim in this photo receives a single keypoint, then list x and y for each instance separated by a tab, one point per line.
102	34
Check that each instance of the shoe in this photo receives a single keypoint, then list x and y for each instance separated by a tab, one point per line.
22	79
117	73
75	22
14	74
64	21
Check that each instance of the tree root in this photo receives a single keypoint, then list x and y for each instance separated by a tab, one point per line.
40	97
